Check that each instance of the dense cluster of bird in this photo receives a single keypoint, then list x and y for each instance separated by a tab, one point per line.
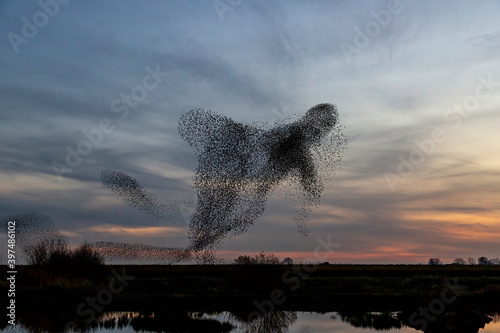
239	167
241	164
135	195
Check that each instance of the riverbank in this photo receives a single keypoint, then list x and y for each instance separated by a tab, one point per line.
295	283
250	290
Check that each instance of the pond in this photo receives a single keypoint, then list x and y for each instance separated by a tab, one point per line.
276	322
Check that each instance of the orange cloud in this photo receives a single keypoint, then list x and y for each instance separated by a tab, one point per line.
134	231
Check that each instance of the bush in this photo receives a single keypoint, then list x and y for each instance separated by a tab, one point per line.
460	261
87	256
40	253
244	260
483	261
55	260
435	261
259	259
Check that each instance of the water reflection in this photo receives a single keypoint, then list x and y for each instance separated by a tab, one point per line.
178	322
377	320
275	322
460	319
171	321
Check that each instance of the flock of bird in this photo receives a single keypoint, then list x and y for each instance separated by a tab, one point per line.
239	167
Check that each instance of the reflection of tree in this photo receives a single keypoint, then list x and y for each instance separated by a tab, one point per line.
46	321
305	329
457	318
171	321
177	321
274	322
377	321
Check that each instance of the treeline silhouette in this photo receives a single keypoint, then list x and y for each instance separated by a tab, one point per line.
262	259
469	261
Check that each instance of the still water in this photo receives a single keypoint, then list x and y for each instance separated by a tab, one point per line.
278	322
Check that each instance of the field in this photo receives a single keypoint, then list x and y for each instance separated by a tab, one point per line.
174	291
296	282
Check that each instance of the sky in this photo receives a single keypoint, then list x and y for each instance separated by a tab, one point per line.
416	83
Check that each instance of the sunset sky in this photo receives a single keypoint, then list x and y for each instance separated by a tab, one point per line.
416	83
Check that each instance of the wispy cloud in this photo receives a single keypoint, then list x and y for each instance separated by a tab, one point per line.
264	56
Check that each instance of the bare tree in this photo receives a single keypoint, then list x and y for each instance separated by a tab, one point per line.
87	255
287	261
244	260
460	261
495	261
471	261
435	261
259	259
39	253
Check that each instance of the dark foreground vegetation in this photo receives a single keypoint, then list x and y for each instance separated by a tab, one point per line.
247	289
298	283
242	280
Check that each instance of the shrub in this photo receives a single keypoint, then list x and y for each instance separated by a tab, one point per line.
87	256
40	253
435	261
259	259
244	260
56	260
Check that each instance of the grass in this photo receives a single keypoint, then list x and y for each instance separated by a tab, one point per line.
207	288
228	280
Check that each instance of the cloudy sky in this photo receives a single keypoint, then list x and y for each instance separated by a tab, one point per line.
416	83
